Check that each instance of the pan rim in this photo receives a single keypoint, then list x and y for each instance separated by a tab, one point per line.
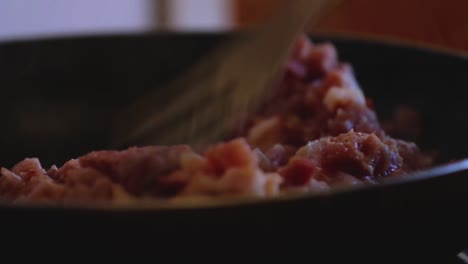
355	37
223	203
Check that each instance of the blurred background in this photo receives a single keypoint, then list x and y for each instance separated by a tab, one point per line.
433	22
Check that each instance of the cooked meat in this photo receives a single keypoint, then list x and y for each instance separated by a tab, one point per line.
318	97
317	131
138	170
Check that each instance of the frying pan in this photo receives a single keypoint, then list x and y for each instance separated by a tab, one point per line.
57	99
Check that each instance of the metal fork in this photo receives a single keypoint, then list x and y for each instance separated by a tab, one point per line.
200	107
440	170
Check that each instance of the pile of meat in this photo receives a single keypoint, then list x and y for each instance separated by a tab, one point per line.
318	131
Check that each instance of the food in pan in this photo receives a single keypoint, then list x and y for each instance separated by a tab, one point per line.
316	133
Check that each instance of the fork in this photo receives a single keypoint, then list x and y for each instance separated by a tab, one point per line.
200	107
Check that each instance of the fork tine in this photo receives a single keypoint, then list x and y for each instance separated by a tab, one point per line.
231	80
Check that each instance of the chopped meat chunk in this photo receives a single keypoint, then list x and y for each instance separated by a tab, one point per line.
361	155
306	106
11	185
139	170
229	155
298	172
28	168
232	169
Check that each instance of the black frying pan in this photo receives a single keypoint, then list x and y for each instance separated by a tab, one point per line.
58	95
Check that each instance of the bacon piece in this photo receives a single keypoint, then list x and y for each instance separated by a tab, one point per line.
28	168
11	185
229	168
360	154
236	153
139	170
298	172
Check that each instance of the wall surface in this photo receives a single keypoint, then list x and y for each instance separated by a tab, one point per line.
434	22
43	18
200	14
29	18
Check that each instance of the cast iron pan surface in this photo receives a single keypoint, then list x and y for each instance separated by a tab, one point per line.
58	95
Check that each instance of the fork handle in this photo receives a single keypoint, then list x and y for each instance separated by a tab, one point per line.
462	257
